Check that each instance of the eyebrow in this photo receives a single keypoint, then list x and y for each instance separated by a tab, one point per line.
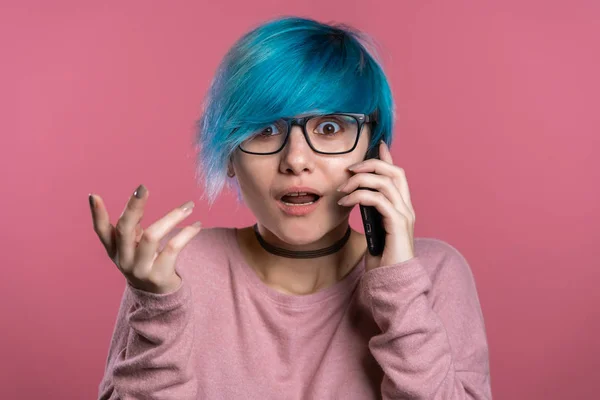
313	112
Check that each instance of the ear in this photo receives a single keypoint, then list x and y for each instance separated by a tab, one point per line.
230	171
384	152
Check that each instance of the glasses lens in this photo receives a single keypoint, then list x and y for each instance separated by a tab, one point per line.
267	139
333	133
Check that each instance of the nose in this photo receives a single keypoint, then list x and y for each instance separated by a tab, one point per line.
296	139
297	154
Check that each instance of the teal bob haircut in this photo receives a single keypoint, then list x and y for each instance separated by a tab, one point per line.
287	67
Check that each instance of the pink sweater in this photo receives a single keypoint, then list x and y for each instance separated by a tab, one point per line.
413	330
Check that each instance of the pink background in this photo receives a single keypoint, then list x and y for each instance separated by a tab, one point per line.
497	130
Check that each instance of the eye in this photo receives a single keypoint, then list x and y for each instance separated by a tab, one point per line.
328	128
270	130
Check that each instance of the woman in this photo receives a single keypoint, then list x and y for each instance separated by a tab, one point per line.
294	307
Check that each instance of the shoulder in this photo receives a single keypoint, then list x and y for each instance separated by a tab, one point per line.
444	263
213	237
210	246
437	249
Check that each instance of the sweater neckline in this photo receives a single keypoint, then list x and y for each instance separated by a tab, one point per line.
345	286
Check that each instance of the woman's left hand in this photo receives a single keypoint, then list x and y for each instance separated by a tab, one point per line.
392	200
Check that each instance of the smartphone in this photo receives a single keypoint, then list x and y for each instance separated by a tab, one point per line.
372	219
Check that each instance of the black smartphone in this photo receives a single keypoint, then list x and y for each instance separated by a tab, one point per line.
372	220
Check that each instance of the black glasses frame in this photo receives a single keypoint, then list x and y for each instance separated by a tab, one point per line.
361	119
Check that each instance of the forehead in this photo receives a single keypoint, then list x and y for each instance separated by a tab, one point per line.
316	113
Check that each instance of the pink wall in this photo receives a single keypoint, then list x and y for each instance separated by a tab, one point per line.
497	130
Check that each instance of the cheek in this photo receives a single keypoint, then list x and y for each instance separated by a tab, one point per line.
338	170
254	186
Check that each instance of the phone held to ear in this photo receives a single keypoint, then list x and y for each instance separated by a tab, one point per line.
372	219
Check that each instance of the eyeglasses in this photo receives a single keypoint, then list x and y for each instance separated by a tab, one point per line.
336	133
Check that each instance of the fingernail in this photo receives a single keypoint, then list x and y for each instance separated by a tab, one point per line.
140	191
92	202
187	206
342	186
197	224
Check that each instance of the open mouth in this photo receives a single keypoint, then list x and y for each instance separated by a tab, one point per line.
299	199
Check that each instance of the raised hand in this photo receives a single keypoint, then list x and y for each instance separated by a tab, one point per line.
135	251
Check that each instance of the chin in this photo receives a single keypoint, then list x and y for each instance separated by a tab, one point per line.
300	233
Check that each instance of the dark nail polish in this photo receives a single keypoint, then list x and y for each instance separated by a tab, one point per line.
91	198
140	191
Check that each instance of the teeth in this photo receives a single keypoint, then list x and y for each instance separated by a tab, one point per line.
297	194
302	204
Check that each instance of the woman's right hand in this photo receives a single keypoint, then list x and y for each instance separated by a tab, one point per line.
135	251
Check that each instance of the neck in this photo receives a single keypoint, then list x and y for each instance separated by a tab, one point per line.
301	276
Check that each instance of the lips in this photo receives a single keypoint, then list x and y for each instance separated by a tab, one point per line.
298	189
298	210
300	199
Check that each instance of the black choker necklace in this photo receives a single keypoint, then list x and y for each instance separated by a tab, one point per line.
302	253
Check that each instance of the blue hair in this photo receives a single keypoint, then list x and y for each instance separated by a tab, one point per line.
282	68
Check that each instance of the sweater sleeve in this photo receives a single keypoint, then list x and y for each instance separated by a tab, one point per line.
150	354
428	348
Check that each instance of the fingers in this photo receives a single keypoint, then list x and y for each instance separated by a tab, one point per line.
135	250
126	225
397	174
164	264
380	183
138	233
151	238
102	226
